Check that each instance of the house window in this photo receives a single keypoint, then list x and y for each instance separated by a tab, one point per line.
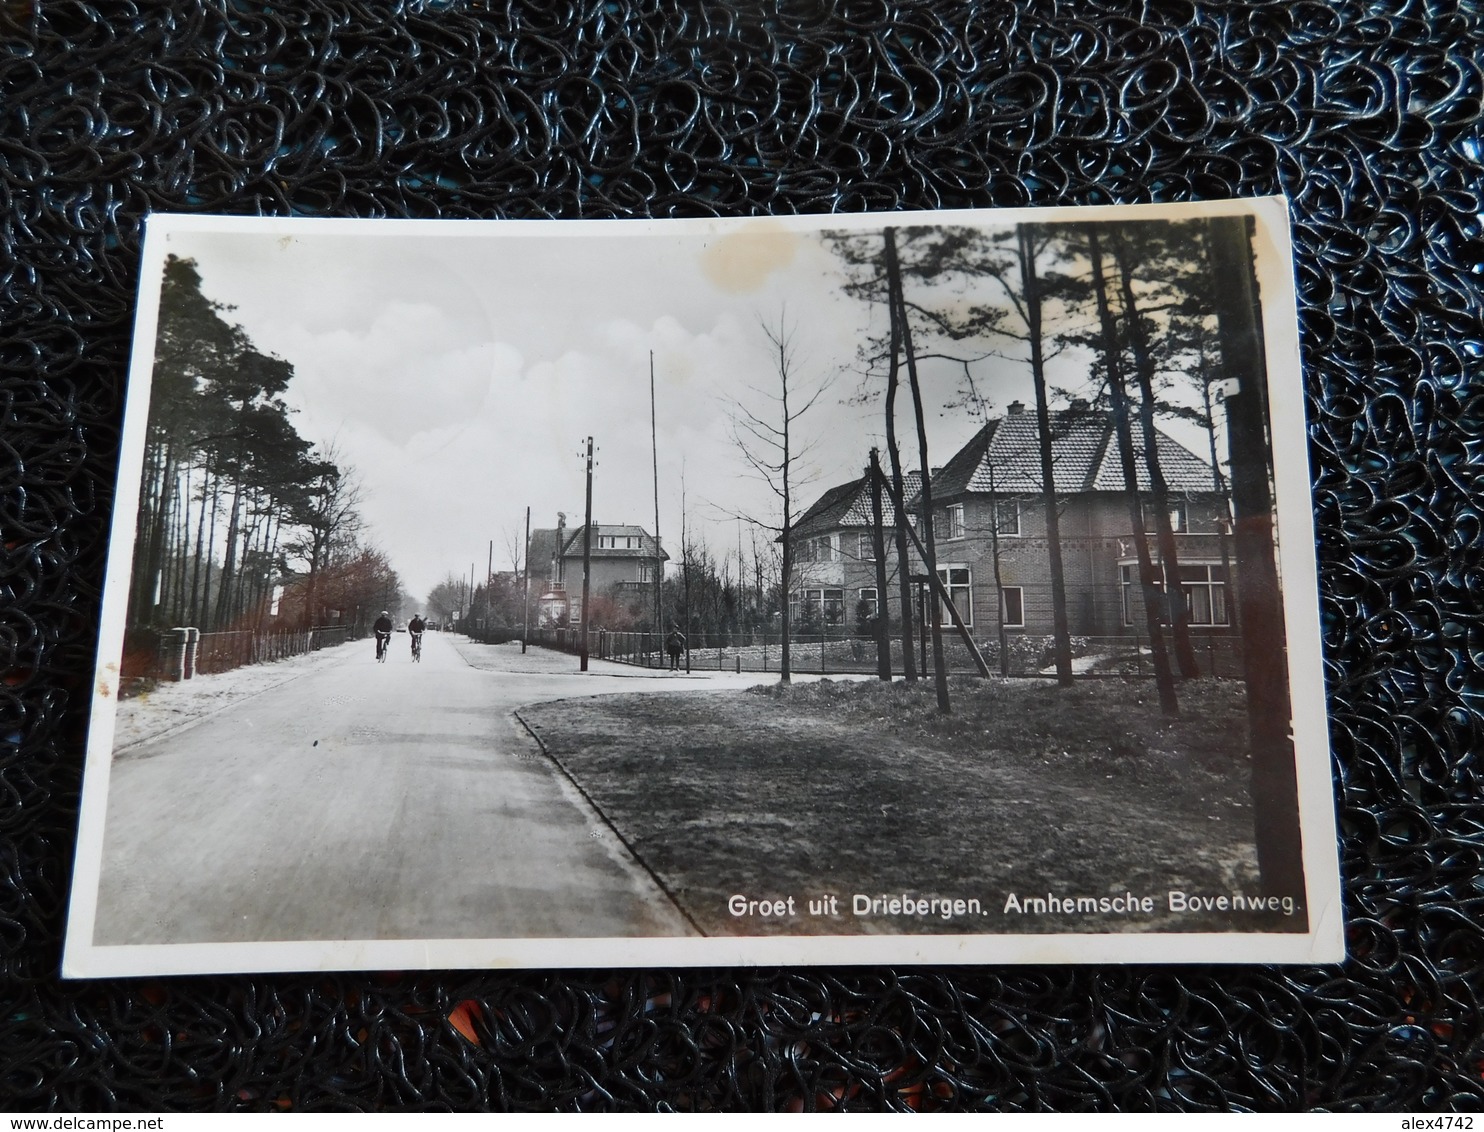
644	574
866	549
1012	606
825	548
868	604
818	604
1179	518
956	580
833	602
951	522
1202	587
1007	517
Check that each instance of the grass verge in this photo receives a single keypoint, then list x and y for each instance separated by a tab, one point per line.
835	789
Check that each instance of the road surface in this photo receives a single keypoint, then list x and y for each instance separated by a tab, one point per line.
364	801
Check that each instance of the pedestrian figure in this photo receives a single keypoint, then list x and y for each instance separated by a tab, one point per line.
675	645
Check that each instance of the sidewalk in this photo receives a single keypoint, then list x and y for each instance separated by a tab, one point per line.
176	704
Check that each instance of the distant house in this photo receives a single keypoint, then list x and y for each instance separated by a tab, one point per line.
834	562
987	503
625	560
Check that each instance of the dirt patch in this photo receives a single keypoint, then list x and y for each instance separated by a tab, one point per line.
859	790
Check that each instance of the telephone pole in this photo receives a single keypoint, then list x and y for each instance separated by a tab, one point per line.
659	559
525	596
587	553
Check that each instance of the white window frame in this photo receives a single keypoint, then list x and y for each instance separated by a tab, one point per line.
966	606
1129	582
874	599
1005	607
866	547
953	522
996	517
1179	518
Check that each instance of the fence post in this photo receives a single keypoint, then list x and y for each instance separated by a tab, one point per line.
182	638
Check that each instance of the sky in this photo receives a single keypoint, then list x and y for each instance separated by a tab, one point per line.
458	369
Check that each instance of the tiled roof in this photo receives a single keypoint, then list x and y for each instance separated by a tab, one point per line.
540	550
1004	456
645	549
543	544
849	505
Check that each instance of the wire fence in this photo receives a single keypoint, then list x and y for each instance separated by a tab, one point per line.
181	654
222	652
845	653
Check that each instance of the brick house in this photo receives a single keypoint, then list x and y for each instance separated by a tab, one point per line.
834	565
987	498
624	561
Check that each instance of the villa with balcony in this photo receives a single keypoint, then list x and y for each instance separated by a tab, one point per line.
625	560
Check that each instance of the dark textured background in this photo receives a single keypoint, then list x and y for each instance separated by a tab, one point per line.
1366	115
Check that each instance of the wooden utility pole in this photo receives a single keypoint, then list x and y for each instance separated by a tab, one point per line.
659	557
525	597
1264	645
587	555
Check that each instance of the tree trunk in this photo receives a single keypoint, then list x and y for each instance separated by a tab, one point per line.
207	622
785	662
1163	676
999	581
1264	655
882	626
141	584
898	492
1168	553
1031	287
195	607
229	563
182	551
894	283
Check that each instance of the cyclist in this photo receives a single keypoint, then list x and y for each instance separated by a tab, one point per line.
383	630
415	629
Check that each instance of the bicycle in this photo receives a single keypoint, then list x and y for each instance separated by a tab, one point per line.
383	646
417	648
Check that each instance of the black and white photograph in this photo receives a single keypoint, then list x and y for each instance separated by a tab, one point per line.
911	588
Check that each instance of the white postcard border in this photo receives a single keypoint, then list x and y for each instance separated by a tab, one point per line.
1324	943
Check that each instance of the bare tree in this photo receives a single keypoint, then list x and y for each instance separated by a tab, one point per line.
768	439
327	513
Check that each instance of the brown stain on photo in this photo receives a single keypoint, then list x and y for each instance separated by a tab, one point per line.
742	261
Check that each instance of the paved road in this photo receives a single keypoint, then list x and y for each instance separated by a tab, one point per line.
371	801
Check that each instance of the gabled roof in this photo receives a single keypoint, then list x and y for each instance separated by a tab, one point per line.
849	505
543	545
541	549
645	549
1005	456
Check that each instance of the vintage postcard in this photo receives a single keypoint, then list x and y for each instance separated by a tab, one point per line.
910	588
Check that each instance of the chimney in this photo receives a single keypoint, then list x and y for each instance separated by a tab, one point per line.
1015	407
934	472
1079	404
